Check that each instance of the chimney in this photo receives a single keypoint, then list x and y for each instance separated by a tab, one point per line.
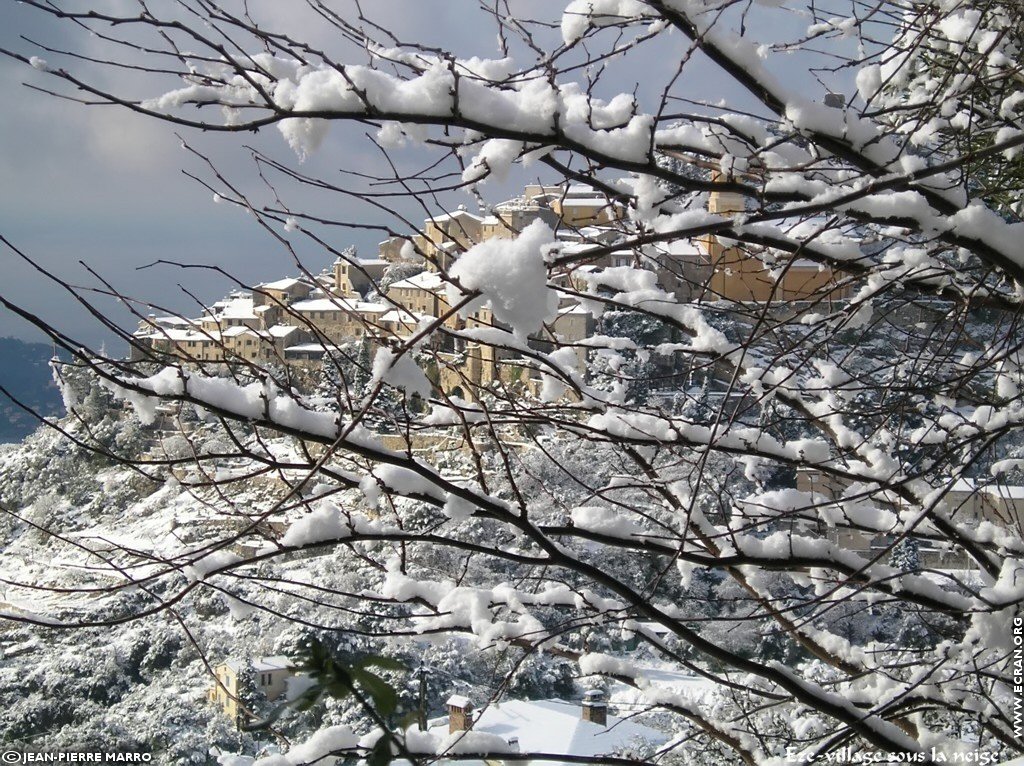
726	203
595	709
460	713
513	744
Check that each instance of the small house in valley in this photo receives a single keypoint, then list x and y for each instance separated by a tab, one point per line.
234	679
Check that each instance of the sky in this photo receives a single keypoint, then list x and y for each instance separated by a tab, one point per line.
103	186
90	184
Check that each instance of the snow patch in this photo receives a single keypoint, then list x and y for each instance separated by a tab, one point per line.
511	276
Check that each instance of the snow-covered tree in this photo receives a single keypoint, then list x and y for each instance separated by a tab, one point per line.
827	280
953	81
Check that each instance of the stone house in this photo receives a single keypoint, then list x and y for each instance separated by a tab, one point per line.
269	675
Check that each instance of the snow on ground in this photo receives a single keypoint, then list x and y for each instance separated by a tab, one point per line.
670	679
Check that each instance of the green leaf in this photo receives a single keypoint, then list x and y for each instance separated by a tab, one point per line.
335	679
302	703
384	663
385	698
308	698
381	753
408	720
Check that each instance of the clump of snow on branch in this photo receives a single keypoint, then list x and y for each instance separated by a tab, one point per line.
511	277
400	370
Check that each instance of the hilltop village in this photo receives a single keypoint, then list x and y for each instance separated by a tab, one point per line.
294	321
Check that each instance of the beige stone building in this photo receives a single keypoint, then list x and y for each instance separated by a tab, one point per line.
270	676
737	274
395	249
237	329
297	318
338	319
576	205
447	235
748	274
423	293
966	500
509	218
352	279
1001	504
281	292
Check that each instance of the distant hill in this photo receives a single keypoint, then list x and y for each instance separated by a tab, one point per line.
25	373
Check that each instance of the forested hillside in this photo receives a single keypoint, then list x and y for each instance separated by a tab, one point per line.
143	684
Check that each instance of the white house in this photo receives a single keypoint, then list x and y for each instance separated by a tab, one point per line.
550	726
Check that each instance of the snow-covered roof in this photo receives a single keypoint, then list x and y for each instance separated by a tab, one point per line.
591	234
404	317
655	627
1005	491
178	336
521	204
458	700
449	216
306	348
964	485
554	726
581	190
323	304
574	248
276	662
425	280
284	284
282	330
339	304
683	247
239	307
171	321
262	664
175	334
599	231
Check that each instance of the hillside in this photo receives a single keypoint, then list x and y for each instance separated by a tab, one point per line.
142	682
25	374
